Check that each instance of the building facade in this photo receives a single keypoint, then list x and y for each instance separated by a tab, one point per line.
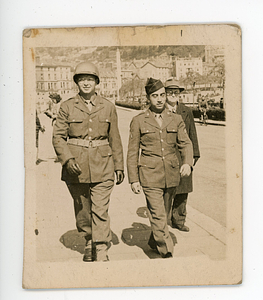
186	65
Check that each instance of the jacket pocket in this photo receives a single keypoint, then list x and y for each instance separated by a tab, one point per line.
75	127
147	162
104	126
171	134
147	130
175	163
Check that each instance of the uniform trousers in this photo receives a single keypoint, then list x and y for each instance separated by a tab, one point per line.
159	202
91	204
179	209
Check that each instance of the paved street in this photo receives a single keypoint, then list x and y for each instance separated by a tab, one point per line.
58	240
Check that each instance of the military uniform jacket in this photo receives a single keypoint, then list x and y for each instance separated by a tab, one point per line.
153	150
75	120
186	183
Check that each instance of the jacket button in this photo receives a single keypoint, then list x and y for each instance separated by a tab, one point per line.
161	131
90	129
162	149
161	140
90	120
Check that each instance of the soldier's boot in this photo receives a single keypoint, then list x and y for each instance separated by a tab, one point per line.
88	252
102	252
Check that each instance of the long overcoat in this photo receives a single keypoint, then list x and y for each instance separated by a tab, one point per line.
186	183
152	156
76	121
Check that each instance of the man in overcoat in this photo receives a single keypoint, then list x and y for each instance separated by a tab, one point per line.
87	142
156	136
178	214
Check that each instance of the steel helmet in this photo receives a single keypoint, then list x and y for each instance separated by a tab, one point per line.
173	84
87	68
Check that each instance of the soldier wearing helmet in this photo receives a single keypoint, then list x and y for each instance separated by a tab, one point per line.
173	90
87	142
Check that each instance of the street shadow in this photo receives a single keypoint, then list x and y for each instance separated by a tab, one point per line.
138	235
142	212
75	240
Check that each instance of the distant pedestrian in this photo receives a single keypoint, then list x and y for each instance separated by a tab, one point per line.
178	215
87	142
203	106
41	128
156	136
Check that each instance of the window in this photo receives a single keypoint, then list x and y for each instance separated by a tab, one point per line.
42	76
48	76
55	76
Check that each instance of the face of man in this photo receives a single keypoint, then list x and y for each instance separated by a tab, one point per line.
86	84
157	100
172	95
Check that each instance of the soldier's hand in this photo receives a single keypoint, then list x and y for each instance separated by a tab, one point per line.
195	160
136	187
185	170
119	176
73	167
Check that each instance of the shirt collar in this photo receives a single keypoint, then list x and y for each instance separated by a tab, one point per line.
171	108
91	100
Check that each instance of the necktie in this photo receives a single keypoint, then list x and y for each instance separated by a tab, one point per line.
159	120
89	105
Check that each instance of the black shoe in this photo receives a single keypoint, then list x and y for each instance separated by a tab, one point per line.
39	161
168	255
181	227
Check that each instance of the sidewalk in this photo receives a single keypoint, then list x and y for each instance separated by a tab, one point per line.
211	122
58	239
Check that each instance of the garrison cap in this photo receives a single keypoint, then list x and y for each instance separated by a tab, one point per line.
153	85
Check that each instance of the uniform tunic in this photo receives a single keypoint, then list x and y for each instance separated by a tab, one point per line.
74	120
92	188
159	163
153	161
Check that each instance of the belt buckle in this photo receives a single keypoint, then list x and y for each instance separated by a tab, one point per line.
90	144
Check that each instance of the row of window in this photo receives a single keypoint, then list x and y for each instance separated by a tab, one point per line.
188	64
52	85
55	68
55	76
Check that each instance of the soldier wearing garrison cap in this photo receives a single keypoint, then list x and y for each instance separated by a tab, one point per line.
87	142
157	138
178	213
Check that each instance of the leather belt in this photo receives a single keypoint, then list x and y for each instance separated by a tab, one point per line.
88	143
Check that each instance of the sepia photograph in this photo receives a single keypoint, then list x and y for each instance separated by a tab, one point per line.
132	156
